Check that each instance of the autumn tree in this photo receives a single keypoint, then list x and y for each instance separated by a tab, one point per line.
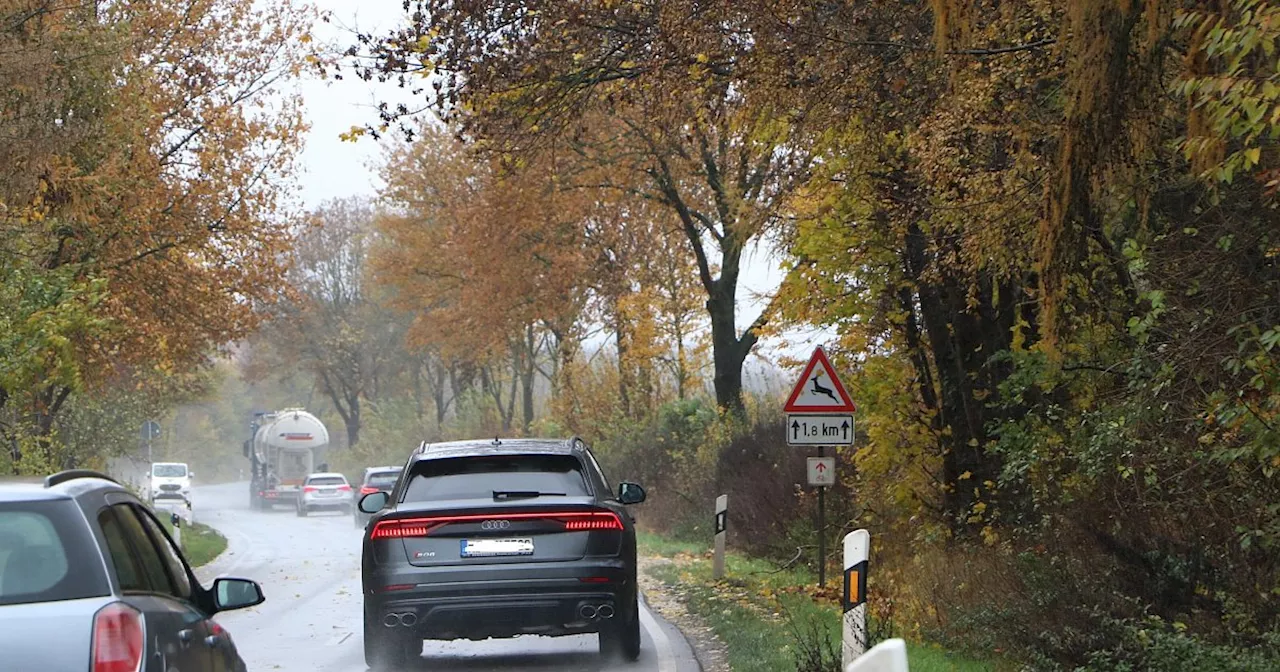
488	261
138	196
652	92
1006	201
338	325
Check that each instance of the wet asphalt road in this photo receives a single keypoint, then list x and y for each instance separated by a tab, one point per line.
309	569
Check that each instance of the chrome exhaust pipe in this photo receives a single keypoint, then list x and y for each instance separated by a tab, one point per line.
408	619
588	612
605	611
391	620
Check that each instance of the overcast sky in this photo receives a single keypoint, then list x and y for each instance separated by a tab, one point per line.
334	169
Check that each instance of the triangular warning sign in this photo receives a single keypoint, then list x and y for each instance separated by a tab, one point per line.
819	389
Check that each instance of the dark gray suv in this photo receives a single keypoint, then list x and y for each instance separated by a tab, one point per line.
90	580
483	539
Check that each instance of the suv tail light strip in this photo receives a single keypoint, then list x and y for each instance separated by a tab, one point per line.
367	490
117	639
573	521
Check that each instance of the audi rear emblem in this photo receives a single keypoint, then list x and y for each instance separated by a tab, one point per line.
495	524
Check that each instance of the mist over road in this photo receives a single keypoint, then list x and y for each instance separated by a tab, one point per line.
309	569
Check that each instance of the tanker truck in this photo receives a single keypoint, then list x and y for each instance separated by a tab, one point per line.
281	455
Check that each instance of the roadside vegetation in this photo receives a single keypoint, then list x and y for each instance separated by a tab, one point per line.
201	544
772	617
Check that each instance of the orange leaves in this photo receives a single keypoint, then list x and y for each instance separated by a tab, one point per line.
475	252
152	164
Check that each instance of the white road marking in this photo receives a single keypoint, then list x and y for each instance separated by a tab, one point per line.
666	658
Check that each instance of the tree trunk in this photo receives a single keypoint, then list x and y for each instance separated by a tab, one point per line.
728	350
527	377
624	361
442	376
967	385
353	423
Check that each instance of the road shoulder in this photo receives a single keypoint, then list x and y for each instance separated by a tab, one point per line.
708	650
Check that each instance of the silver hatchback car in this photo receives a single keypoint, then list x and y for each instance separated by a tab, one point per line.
325	490
89	580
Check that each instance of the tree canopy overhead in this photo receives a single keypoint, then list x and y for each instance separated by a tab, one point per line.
145	150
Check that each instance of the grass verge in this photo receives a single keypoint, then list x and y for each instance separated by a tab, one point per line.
766	617
200	543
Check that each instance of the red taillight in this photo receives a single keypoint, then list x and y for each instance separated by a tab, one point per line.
117	639
594	579
309	489
594	521
399	529
344	488
366	490
573	521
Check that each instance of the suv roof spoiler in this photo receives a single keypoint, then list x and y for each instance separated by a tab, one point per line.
574	441
72	474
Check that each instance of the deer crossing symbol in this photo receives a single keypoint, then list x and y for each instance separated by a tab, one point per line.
819	389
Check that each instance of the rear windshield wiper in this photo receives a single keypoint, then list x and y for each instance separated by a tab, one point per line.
517	494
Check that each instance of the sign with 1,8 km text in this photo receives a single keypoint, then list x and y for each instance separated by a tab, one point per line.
819	430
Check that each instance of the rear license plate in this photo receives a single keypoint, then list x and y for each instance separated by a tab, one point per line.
488	548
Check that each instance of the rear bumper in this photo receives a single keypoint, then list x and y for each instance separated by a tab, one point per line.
504	601
326	502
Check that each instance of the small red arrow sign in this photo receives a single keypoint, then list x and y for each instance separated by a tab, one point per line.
820	467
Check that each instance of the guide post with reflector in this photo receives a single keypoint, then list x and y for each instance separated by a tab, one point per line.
722	526
857	548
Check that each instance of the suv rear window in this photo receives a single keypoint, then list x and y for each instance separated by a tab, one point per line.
478	477
37	543
327	480
381	478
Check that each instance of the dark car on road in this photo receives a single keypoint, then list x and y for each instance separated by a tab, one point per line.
496	538
90	580
375	479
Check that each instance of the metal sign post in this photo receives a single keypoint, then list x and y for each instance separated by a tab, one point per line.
150	430
853	639
722	526
820	413
822	529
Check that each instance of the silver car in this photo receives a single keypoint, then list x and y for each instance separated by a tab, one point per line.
89	580
325	490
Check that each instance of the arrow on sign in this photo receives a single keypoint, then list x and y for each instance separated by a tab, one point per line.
820	467
845	428
795	429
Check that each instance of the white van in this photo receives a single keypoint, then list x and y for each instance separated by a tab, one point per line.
170	481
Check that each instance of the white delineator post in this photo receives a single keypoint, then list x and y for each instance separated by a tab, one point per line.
857	547
887	656
177	528
722	526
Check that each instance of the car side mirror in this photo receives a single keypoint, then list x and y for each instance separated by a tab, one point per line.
191	474
373	502
231	594
630	493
